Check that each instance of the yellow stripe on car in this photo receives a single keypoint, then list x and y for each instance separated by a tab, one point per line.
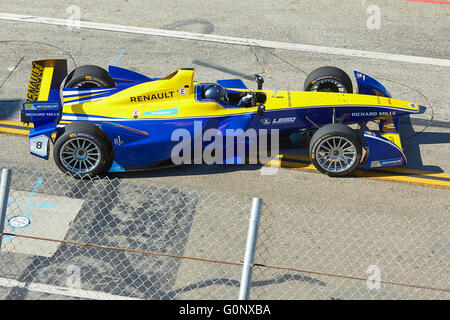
46	80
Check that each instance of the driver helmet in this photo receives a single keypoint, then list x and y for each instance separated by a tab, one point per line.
216	92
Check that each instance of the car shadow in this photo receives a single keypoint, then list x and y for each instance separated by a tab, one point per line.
412	140
186	170
10	108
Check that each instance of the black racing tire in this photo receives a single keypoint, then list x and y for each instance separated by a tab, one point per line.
344	150
83	150
328	79
89	76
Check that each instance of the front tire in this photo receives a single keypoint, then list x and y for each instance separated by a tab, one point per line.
335	150
83	150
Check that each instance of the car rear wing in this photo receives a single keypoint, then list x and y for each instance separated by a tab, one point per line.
42	105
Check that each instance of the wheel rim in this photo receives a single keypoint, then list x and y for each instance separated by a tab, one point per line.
80	155
336	154
328	85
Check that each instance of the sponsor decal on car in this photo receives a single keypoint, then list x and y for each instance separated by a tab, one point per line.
374	114
164	112
385	163
154	96
267	121
284	120
41	106
361	76
375	164
118	141
35	82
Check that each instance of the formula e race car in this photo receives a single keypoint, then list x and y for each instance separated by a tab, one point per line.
119	120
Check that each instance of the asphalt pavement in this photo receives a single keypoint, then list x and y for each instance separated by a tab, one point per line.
407	30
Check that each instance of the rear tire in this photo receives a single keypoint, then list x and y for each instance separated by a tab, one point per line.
83	150
335	150
328	79
86	77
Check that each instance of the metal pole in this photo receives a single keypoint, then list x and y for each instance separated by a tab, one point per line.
250	247
4	191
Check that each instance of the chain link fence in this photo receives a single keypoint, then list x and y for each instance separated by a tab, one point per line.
350	255
114	239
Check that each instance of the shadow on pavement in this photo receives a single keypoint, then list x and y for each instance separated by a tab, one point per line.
9	109
412	141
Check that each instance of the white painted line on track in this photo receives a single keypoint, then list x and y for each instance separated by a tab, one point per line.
64	291
229	40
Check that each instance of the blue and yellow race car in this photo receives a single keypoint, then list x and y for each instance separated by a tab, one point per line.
119	120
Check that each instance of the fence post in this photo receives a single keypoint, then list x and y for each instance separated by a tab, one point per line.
250	247
4	191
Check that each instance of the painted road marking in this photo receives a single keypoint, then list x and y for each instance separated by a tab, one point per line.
64	291
15	127
228	40
40	215
119	57
402	175
298	162
406	171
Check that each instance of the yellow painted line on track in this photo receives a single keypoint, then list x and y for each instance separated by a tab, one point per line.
289	164
403	179
401	175
394	170
15	123
14	127
418	172
14	131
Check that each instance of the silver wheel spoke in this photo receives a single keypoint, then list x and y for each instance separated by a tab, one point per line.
331	162
89	161
346	142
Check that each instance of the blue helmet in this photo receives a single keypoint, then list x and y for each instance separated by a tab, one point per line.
215	92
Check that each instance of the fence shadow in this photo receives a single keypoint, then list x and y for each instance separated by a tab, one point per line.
235	283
